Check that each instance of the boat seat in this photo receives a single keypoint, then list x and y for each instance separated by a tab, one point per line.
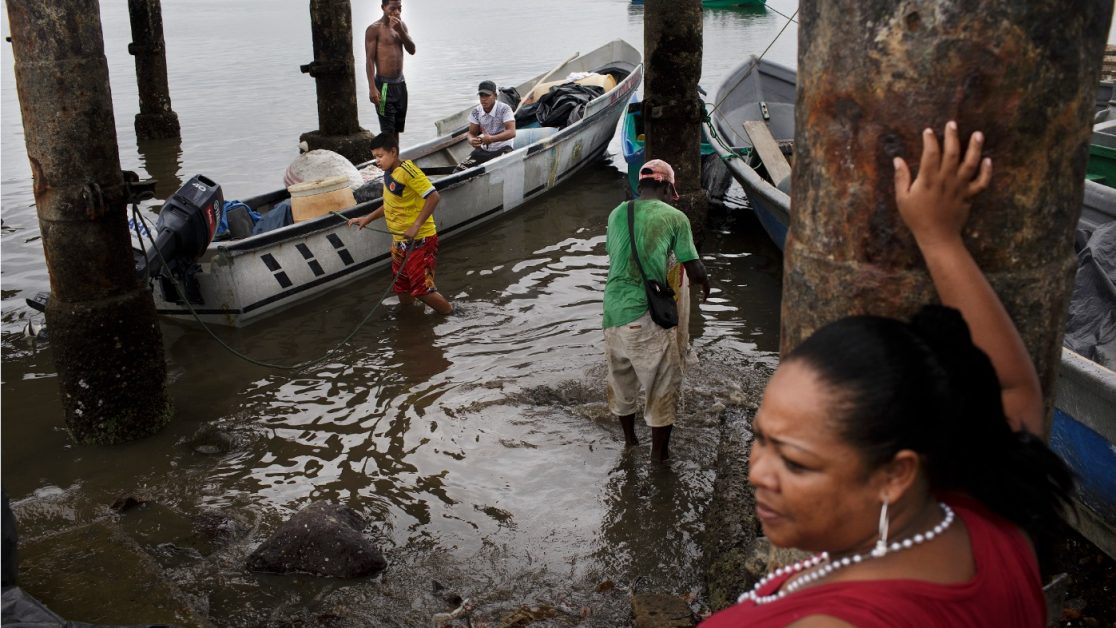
778	168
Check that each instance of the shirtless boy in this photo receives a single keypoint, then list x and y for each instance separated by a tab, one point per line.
384	43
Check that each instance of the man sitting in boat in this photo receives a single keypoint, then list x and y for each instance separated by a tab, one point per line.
491	127
408	210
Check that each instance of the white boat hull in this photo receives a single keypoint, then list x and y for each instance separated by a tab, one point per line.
242	281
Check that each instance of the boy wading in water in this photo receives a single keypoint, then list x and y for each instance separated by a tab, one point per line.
408	210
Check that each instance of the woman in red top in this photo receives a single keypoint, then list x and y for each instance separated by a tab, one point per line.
903	454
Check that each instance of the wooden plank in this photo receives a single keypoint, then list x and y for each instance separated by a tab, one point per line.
768	150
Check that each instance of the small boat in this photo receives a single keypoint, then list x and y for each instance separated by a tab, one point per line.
714	177
237	282
1083	432
762	92
1101	166
724	4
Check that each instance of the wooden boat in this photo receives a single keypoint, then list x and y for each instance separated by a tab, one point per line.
242	281
714	177
1083	431
724	4
1101	166
1084	426
756	91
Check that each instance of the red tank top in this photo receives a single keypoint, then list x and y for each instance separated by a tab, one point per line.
1005	591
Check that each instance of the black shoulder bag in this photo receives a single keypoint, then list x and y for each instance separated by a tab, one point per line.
660	298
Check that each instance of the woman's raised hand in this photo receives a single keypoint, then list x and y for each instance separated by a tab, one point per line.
936	206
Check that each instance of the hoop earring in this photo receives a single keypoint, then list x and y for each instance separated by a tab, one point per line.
881	544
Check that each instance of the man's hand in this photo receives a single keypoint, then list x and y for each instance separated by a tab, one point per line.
395	24
704	283
695	270
374	95
475	141
412	231
936	206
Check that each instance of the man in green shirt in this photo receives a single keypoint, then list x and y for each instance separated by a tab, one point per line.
639	352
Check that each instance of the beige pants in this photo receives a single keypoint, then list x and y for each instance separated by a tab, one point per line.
642	354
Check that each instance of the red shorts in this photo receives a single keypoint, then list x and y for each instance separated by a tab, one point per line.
417	278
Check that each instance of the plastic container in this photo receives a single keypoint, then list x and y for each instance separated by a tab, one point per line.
314	198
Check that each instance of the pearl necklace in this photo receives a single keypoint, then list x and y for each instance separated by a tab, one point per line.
831	567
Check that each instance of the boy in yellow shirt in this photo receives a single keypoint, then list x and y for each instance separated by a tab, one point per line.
408	210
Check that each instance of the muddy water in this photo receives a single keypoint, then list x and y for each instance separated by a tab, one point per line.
478	447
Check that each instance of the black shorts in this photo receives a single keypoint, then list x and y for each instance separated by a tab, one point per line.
480	155
394	116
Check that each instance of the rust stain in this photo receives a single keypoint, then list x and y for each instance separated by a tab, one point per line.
39	182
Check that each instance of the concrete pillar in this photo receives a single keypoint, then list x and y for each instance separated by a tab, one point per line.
107	345
332	68
156	119
872	74
672	109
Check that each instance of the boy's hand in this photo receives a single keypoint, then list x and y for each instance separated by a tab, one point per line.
360	222
411	232
936	206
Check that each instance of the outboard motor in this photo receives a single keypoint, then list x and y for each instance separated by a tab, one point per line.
184	230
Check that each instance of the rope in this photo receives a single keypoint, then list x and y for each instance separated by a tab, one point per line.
774	10
286	367
733	153
765	51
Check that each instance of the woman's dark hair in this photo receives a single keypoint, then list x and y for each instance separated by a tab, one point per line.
926	387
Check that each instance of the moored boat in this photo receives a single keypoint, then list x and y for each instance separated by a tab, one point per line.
714	177
724	4
756	91
727	4
237	282
1083	431
1101	166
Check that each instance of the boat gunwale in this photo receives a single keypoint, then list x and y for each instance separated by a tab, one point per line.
307	228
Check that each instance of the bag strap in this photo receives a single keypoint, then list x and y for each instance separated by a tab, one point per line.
631	232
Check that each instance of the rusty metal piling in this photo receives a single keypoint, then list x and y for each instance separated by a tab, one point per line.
106	341
672	107
156	119
332	68
872	74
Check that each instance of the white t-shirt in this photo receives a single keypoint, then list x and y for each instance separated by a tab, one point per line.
492	122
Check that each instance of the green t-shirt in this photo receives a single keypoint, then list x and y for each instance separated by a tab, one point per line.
660	230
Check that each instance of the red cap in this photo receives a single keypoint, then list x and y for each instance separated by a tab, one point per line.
659	170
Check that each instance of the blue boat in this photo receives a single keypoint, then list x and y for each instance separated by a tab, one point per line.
1083	431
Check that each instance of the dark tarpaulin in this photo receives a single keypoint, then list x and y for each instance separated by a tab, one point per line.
1091	326
565	104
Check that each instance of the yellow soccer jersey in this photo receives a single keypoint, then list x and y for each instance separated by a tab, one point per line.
405	192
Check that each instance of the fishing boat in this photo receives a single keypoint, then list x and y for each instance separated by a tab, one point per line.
755	110
757	95
1083	431
237	282
714	176
724	4
1101	166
